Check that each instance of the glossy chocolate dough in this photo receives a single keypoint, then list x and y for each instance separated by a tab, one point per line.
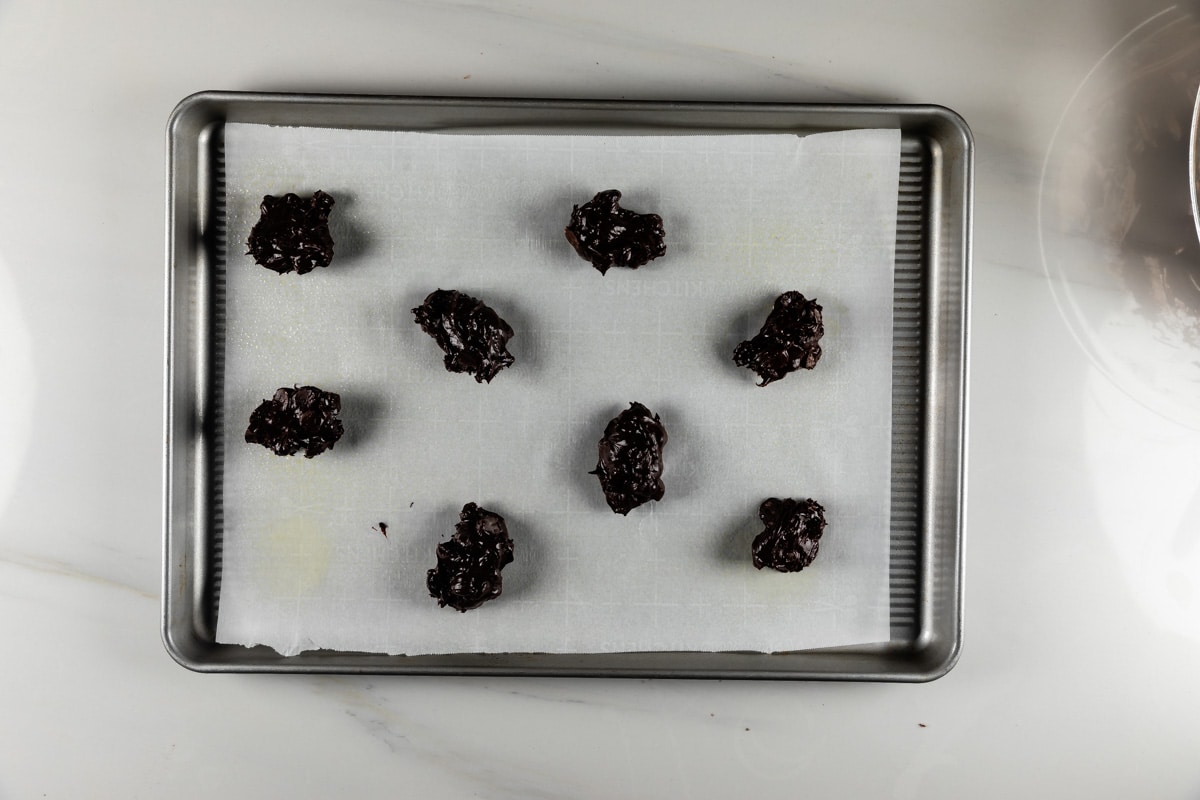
631	459
792	534
789	340
468	570
297	419
610	236
292	235
473	336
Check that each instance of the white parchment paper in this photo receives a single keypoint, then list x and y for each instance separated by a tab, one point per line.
747	217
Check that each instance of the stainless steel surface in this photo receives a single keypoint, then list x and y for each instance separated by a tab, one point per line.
929	377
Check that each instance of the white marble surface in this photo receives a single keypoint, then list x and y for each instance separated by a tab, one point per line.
1078	674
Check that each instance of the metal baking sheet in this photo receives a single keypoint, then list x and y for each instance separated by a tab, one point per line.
929	377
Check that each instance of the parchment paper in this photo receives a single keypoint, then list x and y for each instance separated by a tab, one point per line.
747	217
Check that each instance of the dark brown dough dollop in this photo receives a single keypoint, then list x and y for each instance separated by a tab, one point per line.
473	336
792	534
610	236
468	571
789	340
631	459
292	235
297	419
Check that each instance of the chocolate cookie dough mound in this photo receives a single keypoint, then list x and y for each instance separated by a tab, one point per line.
610	236
789	340
792	534
292	235
297	419
468	571
631	459
473	336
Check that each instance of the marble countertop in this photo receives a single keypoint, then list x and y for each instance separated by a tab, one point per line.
1082	644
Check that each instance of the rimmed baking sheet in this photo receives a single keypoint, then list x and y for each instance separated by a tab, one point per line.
915	537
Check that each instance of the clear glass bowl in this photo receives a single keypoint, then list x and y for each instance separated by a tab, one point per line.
1118	218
